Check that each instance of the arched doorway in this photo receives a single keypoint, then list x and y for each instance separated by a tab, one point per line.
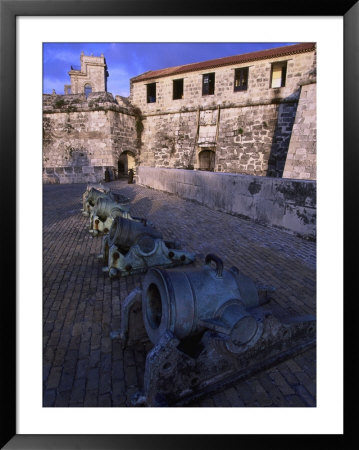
126	162
206	160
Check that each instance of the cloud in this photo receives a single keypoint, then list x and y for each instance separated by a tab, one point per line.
118	82
63	56
53	83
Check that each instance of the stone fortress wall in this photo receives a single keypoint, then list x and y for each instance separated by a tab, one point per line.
261	131
248	131
82	137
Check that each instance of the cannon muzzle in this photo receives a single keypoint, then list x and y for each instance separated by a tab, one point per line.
104	212
186	302
90	198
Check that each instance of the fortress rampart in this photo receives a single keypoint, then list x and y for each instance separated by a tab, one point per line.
251	114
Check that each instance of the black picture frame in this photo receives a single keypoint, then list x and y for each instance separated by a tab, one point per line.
9	10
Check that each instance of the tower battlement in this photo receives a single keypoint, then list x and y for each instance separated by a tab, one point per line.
90	77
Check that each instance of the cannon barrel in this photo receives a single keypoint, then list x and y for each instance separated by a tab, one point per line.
107	207
96	187
186	302
90	197
124	233
93	194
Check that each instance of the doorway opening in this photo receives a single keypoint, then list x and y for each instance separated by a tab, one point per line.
126	162
206	159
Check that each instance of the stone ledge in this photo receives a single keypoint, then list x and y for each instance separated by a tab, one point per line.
282	203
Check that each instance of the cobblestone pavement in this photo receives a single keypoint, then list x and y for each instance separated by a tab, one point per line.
83	366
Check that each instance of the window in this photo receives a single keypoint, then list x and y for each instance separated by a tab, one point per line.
177	89
241	79
151	93
208	84
88	89
279	72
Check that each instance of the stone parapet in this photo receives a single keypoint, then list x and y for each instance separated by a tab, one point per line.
282	203
96	101
73	174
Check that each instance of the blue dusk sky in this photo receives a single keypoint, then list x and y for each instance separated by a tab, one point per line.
127	60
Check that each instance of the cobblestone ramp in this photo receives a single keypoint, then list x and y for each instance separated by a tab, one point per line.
83	366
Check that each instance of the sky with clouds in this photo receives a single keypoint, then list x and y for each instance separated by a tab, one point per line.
127	60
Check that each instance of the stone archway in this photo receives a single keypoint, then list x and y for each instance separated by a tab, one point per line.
206	159
126	161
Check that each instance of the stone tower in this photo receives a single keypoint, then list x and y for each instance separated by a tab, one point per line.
90	77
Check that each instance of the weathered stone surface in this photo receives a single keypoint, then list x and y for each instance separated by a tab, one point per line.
91	73
245	131
81	143
300	67
301	159
282	203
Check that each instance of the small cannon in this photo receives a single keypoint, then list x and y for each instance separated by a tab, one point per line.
209	326
205	298
133	246
105	211
98	186
91	195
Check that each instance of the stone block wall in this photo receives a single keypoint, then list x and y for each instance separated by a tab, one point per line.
300	68
254	140
168	139
251	139
249	133
82	137
282	203
246	132
301	160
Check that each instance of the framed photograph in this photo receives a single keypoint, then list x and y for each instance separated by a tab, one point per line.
34	113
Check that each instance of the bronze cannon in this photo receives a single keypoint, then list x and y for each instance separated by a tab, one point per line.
209	326
188	302
105	211
92	194
133	246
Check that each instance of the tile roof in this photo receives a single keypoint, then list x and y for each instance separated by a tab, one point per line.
228	60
